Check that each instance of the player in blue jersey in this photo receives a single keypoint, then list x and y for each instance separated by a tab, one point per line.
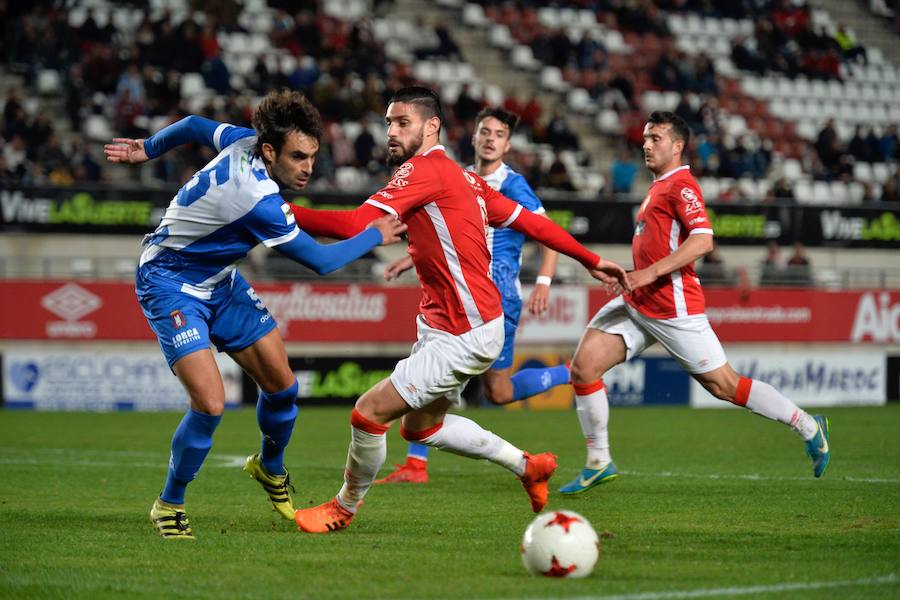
493	131
192	294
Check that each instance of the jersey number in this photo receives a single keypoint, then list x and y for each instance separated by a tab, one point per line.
199	184
484	214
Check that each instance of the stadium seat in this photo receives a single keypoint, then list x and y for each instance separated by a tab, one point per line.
473	15
192	84
880	172
500	37
608	122
551	79
580	101
48	82
863	172
523	58
803	191
97	128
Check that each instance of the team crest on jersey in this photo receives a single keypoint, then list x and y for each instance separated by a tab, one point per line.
693	202
178	319
400	177
639	228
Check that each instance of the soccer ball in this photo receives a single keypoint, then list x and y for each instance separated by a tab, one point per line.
560	543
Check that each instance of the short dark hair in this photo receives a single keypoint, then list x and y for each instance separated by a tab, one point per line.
680	129
282	112
427	102
510	119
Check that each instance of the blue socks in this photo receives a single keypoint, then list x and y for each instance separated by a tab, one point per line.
419	451
530	382
190	445
276	414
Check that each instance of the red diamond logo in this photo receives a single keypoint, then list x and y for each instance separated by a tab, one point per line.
563	520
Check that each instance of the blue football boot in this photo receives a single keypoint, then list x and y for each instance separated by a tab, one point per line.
817	447
589	478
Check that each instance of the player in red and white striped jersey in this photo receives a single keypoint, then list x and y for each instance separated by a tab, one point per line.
666	305
460	328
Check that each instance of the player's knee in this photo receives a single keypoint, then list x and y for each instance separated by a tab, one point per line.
581	371
213	408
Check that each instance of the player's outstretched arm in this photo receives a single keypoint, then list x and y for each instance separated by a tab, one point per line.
190	130
336	224
325	258
397	268
694	247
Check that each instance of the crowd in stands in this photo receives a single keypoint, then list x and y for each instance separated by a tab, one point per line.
133	77
785	41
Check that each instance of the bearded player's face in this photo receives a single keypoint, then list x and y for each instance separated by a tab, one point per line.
405	132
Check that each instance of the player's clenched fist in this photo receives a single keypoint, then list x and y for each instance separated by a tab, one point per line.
126	150
391	229
611	274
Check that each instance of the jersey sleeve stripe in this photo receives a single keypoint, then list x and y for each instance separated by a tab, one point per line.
700	230
271	243
382	206
513	216
217	135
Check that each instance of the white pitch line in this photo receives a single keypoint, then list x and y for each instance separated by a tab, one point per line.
70	458
776	588
752	477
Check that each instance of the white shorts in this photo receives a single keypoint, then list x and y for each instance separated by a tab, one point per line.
441	363
690	340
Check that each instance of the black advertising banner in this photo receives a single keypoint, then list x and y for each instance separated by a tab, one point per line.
98	209
332	381
893	378
109	210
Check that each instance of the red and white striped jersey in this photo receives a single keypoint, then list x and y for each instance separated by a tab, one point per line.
672	210
446	212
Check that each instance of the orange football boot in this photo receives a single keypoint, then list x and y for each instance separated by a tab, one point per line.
414	470
538	470
324	518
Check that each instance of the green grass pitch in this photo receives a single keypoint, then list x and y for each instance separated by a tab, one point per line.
710	504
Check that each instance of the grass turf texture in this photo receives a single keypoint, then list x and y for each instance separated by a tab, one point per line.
76	489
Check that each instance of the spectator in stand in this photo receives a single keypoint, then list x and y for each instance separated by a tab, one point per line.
467	106
798	270
868	196
887	145
712	271
558	176
847	43
772	270
623	172
781	191
828	147
559	134
890	192
858	147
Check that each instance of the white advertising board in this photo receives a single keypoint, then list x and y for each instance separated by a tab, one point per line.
564	321
101	381
852	378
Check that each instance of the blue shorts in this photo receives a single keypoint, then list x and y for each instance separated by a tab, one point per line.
510	292
233	318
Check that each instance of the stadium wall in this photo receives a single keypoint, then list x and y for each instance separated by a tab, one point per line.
85	345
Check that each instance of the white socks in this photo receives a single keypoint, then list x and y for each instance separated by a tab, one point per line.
368	450
592	406
465	437
765	400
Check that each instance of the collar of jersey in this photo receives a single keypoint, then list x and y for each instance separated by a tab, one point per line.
672	172
437	147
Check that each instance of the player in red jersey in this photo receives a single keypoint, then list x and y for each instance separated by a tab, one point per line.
666	305
460	328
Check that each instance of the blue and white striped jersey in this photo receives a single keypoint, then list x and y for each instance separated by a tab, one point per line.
506	244
218	216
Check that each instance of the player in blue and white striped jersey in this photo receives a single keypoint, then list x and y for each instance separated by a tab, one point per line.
493	129
192	294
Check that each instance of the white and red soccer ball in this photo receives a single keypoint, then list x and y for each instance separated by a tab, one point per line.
560	543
